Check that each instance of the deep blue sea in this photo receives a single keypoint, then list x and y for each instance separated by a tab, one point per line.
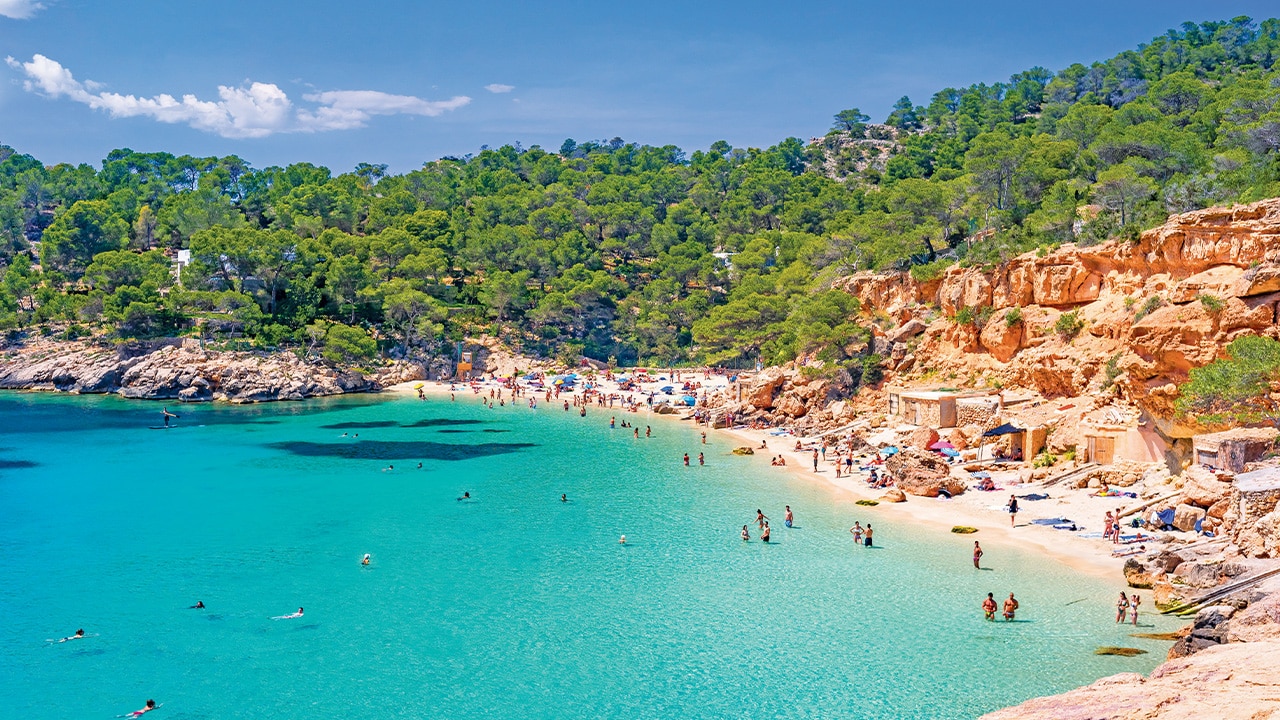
509	605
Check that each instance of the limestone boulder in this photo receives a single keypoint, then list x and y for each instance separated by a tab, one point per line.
792	406
1186	516
910	329
760	393
1258	281
1137	575
1257	622
922	438
923	473
893	495
1203	488
1000	339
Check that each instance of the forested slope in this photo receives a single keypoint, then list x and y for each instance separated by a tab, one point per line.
640	253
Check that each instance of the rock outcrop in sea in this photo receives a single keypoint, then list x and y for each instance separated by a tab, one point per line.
183	370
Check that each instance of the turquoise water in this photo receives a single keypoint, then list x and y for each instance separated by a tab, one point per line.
511	605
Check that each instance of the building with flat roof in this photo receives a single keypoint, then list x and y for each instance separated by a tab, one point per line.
931	407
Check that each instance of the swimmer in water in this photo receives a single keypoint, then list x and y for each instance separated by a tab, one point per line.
419	466
702	460
788	519
78	636
764	534
989	606
564	497
289	617
365	560
761	518
622	540
466	495
745	535
151	705
198	606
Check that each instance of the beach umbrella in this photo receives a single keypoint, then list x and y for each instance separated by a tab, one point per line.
690	400
950	452
889	450
942	445
1005	429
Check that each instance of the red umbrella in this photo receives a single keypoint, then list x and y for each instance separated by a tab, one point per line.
942	445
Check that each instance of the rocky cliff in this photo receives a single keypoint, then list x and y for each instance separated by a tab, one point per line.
182	370
1155	308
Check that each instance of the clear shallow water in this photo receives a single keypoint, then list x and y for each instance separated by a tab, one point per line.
513	604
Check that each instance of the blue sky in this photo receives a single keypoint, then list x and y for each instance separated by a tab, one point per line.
401	82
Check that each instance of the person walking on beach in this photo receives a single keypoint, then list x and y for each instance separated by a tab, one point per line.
815	461
1134	602
977	554
1110	526
1013	509
989	607
788	519
1010	608
856	532
866	540
1122	606
1115	538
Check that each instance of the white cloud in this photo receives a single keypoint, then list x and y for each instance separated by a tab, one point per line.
499	88
258	110
19	9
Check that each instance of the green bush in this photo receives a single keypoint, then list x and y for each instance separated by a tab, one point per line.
1044	459
1068	325
963	316
930	271
1012	317
1237	388
1212	304
1151	305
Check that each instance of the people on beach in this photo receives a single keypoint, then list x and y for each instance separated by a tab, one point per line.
1010	608
1122	606
1013	509
788	519
977	554
856	531
815	461
704	437
989	606
1134	602
1109	526
866	536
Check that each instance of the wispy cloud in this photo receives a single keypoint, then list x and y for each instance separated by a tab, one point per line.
253	110
19	9
499	88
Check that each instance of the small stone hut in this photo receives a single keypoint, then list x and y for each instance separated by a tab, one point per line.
1231	449
933	408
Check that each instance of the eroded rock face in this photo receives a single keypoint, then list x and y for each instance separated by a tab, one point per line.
1203	488
1231	254
1225	682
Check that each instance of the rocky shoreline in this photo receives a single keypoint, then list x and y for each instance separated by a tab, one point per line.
182	370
